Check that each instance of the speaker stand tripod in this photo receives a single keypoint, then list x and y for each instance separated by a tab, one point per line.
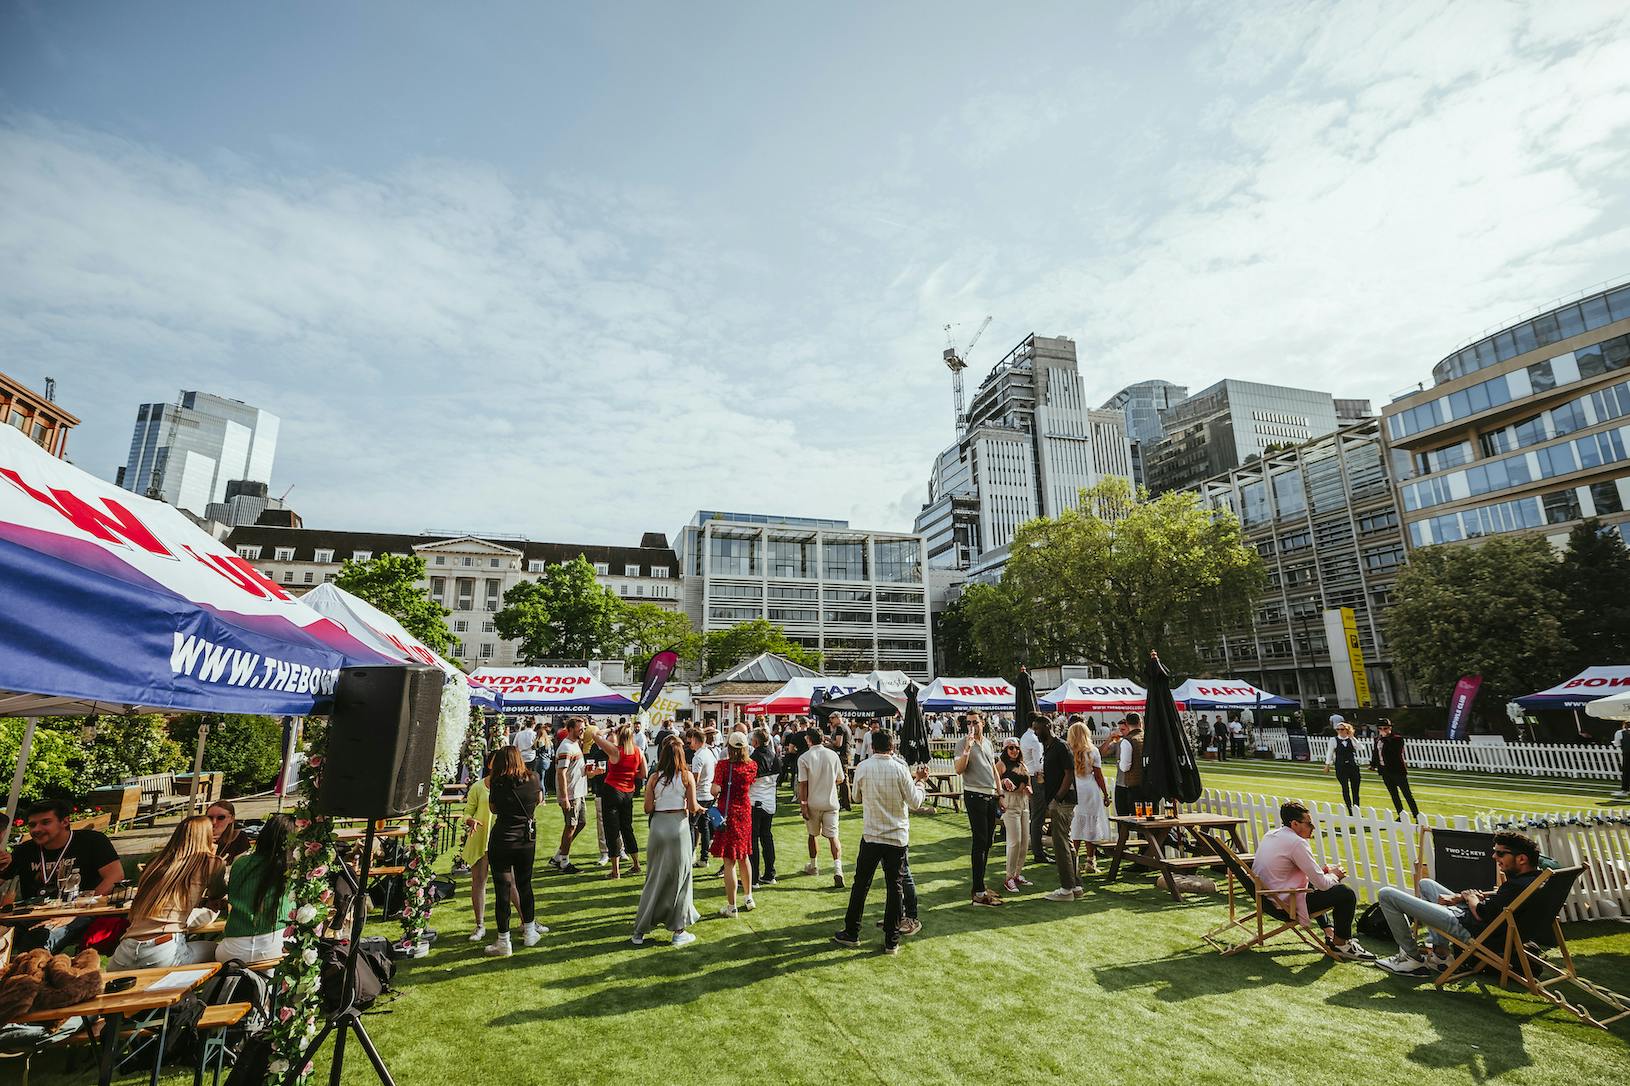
349	1016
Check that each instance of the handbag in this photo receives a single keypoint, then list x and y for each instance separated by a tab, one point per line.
716	813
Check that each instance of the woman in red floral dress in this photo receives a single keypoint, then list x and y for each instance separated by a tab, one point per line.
733	841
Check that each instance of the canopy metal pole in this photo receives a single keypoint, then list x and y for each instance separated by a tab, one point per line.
291	736
198	767
17	782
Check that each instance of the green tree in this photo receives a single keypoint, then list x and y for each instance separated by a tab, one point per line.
55	757
1117	576
1492	609
956	650
645	629
122	747
996	632
246	750
391	582
1594	581
564	614
745	640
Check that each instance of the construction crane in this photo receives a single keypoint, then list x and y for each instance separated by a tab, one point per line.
957	361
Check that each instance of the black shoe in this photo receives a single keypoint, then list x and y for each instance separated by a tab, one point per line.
569	868
699	864
843	938
767	880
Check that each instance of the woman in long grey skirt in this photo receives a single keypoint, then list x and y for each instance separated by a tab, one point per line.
670	801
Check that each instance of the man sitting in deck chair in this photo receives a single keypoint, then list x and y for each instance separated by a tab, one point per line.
1284	861
1462	915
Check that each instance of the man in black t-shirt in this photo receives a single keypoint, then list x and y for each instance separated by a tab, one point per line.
52	850
842	740
1058	778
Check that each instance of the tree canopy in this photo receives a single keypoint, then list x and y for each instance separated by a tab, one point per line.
564	614
745	640
1115	577
1492	609
391	582
645	629
1594	580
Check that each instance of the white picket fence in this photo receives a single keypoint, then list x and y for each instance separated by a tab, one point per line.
1378	849
1530	759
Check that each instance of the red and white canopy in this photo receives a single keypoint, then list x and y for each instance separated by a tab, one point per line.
1585	687
1202	694
963	695
1095	696
554	690
793	698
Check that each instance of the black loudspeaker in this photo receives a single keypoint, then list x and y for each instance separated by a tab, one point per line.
381	742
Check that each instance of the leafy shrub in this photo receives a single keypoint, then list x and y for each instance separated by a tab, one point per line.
247	750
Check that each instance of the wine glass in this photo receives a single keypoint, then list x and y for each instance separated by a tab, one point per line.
68	887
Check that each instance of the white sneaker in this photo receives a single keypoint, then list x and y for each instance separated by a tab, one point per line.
749	905
1350	951
501	948
1405	965
603	861
638	940
531	933
1079	892
1061	894
728	912
683	938
810	868
479	933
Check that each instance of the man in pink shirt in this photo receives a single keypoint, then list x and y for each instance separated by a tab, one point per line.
1284	861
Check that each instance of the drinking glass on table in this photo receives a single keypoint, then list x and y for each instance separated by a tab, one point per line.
68	887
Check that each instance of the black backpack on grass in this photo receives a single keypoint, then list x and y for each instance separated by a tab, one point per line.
374	970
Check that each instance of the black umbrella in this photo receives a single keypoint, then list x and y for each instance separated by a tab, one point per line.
1169	770
913	732
1024	700
864	704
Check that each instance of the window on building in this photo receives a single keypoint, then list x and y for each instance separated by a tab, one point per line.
362	556
494	563
1606	498
439	560
283	554
466	560
251	553
438	588
323	556
534	566
898	560
288	576
734	555
486	650
659	571
602	569
458	649
328	577
489	627
310	577
1561	506
845	560
632	570
461	625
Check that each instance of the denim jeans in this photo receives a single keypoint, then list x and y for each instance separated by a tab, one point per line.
53	939
148	954
1400	907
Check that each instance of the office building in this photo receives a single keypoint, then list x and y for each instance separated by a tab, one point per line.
186	452
858	596
1352	410
467	574
1225	425
1031	445
1141	405
1324	516
1525	430
35	414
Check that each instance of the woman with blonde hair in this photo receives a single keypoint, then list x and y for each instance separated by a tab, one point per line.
625	768
172	885
1091	821
670	801
1343	758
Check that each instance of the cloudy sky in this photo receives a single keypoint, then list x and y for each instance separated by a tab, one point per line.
578	271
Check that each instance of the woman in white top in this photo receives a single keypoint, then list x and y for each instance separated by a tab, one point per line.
1091	822
670	801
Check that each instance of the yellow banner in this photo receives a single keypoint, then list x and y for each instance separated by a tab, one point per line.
1355	657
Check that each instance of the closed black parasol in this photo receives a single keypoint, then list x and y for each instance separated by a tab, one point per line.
913	732
863	704
1024	700
1169	769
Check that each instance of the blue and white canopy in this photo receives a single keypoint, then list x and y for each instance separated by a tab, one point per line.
554	690
965	695
1207	694
1584	688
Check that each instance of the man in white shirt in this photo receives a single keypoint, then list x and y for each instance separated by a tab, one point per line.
1621	739
817	788
571	792
1033	745
761	794
886	791
703	759
526	741
1236	733
1284	861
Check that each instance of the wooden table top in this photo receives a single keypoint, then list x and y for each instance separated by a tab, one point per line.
358	835
1194	819
139	997
51	912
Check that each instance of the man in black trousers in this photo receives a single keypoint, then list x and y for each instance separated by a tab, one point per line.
1388	760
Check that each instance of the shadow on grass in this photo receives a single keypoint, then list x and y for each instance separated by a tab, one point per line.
1459	1017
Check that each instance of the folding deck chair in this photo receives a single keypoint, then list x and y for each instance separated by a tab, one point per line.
1516	942
1267	907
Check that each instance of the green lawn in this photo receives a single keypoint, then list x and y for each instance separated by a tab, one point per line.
1116	987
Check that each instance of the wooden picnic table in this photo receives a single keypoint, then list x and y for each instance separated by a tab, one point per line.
82	907
143	1004
1184	832
940	787
348	836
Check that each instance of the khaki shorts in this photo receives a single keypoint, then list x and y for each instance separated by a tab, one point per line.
821	823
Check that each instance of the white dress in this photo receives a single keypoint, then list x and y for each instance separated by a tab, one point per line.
1091	821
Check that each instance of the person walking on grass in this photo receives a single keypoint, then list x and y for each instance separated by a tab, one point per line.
1090	824
1013	777
733	841
703	759
625	767
1621	740
670	801
976	764
512	845
1033	744
887	792
1387	759
817	787
766	775
477	829
1343	758
571	792
1058	775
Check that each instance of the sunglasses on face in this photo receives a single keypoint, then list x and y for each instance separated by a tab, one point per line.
220	818
1502	852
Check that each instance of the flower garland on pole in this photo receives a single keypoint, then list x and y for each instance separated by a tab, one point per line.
423	841
295	989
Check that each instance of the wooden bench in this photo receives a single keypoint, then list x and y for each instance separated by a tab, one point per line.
212	1027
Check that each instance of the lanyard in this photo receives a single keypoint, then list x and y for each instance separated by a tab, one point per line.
49	875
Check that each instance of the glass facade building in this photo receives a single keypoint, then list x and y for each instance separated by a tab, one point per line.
860	597
187	452
1141	404
1225	425
1526	430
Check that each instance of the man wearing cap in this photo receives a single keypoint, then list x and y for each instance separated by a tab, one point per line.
886	791
1387	759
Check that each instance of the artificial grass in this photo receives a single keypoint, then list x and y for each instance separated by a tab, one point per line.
1115	987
